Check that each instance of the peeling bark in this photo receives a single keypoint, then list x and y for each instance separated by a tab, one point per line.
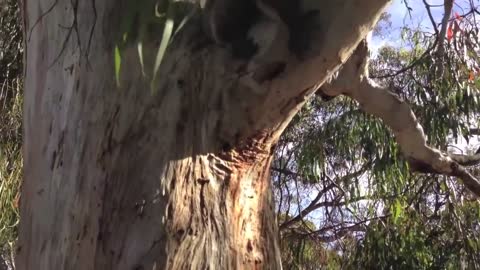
120	178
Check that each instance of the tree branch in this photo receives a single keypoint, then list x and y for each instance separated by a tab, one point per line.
474	131
466	160
340	233
330	43
448	5
379	101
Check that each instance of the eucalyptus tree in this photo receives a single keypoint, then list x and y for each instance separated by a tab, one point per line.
150	127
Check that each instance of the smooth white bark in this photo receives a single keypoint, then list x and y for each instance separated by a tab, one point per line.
379	101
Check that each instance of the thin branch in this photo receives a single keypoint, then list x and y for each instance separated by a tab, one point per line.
448	5
410	66
340	233
314	205
335	227
307	209
474	131
285	171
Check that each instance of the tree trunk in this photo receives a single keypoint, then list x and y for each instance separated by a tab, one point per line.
120	177
116	177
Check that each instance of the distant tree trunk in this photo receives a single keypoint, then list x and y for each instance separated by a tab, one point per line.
123	178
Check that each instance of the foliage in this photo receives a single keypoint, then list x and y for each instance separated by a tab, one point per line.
143	23
10	121
303	252
10	176
341	169
10	72
447	239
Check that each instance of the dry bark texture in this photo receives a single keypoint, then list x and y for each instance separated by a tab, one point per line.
120	178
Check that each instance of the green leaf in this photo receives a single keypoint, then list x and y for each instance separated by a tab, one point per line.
167	33
472	243
183	22
118	62
140	56
397	210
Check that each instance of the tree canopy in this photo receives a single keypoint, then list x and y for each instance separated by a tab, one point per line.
342	183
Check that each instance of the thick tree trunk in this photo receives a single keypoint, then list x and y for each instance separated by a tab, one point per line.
123	178
115	178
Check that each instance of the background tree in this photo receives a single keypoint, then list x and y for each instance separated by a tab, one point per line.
359	192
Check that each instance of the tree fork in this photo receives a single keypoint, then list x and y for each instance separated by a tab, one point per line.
120	178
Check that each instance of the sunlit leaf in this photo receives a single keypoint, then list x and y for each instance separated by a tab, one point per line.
140	56
118	62
167	33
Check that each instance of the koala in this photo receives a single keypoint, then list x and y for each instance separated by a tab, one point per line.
230	23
